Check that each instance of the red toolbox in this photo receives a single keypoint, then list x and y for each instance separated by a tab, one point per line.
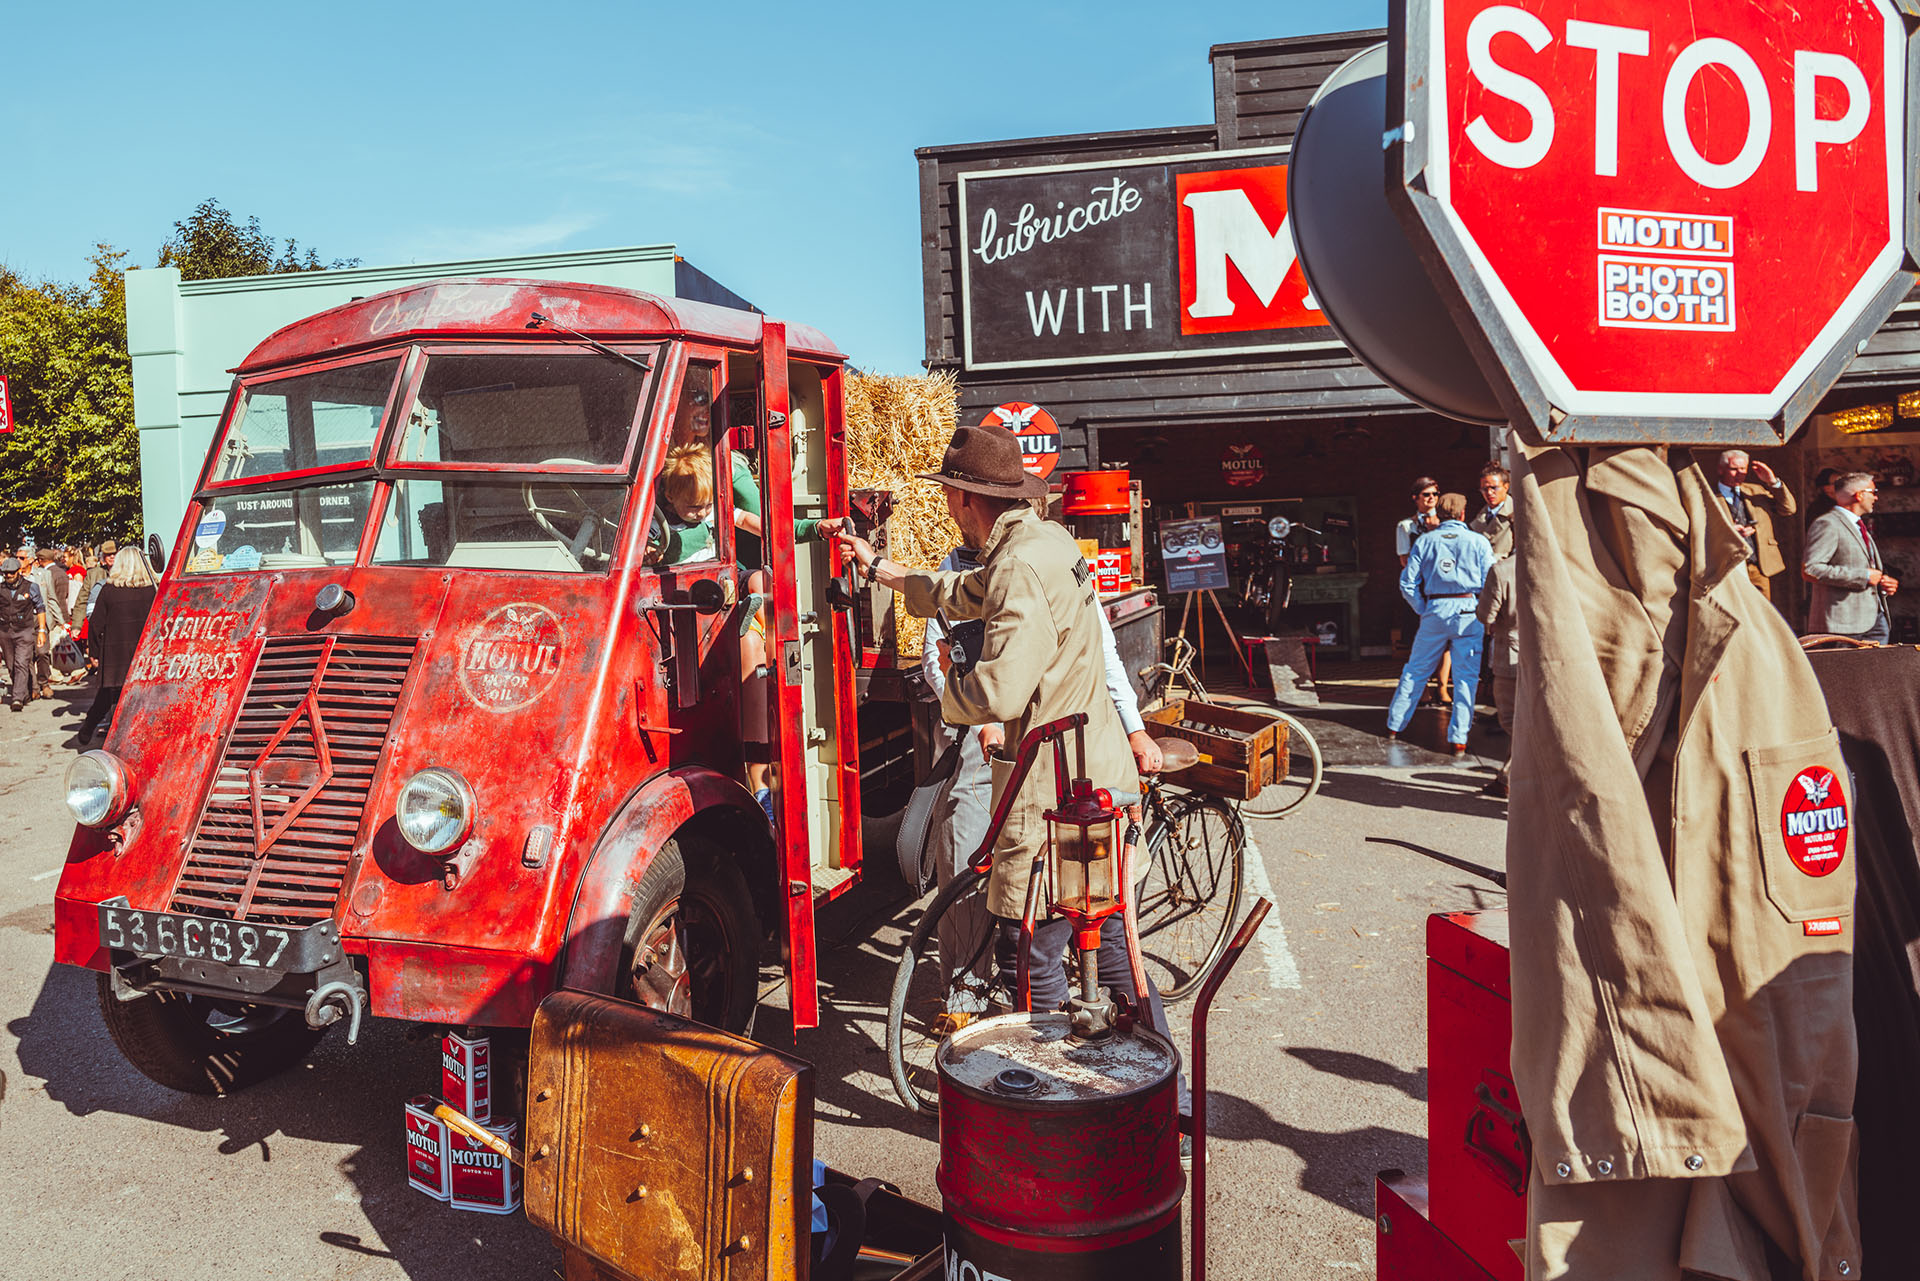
1407	1246
1474	1202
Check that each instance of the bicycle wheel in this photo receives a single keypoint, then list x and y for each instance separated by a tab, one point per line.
1302	781
1190	895
928	1003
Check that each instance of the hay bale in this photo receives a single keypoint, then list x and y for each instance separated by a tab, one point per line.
898	427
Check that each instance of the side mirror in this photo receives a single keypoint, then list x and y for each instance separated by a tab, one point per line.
156	554
710	595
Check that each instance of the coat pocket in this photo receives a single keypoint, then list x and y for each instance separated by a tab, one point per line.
1803	813
1823	1148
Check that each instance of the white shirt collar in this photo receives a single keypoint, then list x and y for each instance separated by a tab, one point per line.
1850	514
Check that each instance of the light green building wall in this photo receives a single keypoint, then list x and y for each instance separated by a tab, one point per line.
184	337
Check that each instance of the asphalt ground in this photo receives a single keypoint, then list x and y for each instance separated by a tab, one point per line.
1317	1050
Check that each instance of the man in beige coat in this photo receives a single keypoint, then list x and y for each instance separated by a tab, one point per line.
1041	658
1681	894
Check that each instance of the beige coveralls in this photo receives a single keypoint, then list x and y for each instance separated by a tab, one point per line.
1682	985
1041	659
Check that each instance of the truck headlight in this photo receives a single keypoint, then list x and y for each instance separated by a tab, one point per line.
435	810
98	790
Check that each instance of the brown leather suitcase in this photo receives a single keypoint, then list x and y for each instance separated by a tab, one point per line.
659	1148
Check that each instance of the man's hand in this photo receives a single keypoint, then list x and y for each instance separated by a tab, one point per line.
1889	584
1757	470
1875	578
1146	752
992	737
831	527
855	550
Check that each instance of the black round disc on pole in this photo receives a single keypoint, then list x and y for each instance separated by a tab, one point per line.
1358	263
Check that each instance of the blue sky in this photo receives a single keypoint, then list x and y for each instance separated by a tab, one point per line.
772	143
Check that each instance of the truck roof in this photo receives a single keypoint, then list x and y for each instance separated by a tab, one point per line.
494	307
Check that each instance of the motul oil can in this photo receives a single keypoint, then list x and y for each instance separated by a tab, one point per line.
482	1179
466	1073
1059	1157
428	1169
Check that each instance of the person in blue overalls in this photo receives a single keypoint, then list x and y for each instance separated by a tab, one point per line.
1442	581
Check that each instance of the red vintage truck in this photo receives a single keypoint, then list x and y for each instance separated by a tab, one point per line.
421	727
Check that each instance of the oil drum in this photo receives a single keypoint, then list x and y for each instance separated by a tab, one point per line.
1059	1158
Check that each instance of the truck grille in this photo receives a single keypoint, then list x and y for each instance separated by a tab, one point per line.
279	827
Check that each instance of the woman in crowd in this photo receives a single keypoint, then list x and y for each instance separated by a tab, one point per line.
113	633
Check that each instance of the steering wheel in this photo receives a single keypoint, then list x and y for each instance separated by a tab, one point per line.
595	529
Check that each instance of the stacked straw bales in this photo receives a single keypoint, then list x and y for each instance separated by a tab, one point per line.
897	428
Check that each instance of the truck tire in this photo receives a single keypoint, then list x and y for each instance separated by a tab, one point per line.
197	1045
693	940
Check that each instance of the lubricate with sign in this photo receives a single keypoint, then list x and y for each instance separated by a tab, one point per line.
6	405
1653	210
1038	433
1813	821
512	657
1124	260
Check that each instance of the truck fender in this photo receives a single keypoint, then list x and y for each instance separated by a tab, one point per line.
603	899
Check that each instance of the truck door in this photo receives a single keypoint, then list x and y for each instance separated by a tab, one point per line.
786	661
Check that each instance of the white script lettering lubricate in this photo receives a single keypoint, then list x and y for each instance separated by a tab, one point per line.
1110	200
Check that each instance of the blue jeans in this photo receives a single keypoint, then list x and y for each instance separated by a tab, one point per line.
1439	632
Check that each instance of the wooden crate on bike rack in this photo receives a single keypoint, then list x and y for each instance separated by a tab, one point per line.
1241	751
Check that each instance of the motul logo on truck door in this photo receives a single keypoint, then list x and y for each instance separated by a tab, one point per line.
1238	266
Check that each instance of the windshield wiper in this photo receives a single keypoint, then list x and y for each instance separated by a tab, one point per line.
539	320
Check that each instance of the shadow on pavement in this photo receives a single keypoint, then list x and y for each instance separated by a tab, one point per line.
1360	1067
1339	1165
350	1096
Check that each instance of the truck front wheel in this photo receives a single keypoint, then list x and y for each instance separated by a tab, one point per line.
693	942
199	1045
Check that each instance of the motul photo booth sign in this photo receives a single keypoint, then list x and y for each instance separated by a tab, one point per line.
1657	214
1186	255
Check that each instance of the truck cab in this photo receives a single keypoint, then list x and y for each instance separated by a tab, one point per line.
442	705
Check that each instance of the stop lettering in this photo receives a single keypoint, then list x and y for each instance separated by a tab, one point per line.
1672	209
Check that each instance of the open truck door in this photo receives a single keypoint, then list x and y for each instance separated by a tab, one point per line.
815	743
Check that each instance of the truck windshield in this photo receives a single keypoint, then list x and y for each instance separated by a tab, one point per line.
534	411
329	418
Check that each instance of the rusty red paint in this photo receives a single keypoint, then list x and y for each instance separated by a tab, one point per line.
591	744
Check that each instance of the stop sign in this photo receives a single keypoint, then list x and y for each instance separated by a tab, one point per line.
1663	221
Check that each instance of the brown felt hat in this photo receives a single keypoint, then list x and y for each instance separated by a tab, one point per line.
986	460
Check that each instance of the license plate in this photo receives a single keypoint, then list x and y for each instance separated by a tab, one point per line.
200	938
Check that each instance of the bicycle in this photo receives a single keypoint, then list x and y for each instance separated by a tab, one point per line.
1305	767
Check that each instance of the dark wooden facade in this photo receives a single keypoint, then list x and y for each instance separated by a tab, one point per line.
1326	424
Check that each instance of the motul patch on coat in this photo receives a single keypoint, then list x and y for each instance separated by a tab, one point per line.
1813	821
1826	925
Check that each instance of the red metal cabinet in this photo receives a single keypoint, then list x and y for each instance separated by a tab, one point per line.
1407	1246
1476	1155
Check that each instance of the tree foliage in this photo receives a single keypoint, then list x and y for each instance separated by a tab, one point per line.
208	243
70	469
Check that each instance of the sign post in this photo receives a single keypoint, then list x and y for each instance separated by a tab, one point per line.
1657	222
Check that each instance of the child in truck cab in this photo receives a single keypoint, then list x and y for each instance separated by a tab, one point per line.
685	487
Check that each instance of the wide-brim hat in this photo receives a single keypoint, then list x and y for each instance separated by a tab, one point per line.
986	460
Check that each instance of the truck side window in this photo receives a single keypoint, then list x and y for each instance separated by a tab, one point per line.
687	495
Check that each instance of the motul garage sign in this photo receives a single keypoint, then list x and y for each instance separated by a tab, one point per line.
1665	221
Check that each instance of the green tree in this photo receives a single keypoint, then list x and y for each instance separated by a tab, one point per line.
70	469
209	243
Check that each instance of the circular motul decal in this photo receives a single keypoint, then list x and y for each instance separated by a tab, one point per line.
1243	465
1039	434
1813	819
512	657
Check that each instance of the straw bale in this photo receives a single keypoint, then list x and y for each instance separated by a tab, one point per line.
898	426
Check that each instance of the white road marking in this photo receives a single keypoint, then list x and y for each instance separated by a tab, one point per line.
1282	971
44	876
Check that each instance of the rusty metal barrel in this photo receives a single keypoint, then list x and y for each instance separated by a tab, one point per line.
1059	1158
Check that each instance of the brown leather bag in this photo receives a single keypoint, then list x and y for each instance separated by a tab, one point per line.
657	1147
